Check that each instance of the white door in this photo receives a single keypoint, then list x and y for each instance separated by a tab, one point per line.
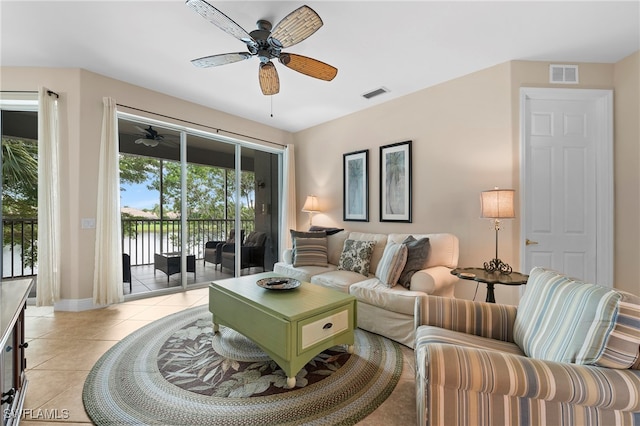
567	182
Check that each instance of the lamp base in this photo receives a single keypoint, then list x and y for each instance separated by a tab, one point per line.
497	265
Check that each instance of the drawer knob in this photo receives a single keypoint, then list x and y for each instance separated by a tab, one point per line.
327	326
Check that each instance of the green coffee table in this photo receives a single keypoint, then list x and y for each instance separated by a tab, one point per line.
291	326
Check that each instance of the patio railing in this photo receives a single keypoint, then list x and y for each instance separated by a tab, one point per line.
19	252
141	239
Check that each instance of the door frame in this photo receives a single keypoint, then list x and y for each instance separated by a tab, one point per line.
604	171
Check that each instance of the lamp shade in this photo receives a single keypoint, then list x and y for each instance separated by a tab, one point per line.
311	204
497	203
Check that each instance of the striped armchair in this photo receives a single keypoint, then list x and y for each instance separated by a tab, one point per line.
567	355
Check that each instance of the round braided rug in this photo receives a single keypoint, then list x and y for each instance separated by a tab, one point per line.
171	372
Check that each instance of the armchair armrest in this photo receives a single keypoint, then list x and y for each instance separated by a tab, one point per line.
509	375
490	320
227	247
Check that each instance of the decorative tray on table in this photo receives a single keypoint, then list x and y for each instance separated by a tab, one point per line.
278	283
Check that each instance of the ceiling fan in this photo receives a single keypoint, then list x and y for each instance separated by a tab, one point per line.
150	137
267	42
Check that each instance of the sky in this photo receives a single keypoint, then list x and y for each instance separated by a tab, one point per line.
138	196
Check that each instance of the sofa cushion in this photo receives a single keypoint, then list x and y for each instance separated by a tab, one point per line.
565	320
301	273
426	334
337	280
356	256
397	299
335	244
392	263
417	254
310	251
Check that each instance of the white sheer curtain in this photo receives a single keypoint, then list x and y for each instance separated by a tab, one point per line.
289	211
107	279
48	281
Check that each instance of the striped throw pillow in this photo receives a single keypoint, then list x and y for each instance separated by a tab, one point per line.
392	263
310	252
622	348
565	320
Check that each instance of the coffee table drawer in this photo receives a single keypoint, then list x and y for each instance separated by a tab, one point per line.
323	327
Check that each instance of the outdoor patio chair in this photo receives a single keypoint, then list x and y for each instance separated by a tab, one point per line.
252	252
213	249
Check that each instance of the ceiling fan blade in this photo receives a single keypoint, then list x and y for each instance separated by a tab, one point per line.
222	59
269	81
295	27
308	66
221	20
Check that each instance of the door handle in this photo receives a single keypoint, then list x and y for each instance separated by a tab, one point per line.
529	242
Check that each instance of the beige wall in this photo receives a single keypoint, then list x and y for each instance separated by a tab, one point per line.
465	135
462	144
627	173
80	104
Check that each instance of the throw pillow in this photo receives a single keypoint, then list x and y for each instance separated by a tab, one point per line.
356	256
305	234
329	231
391	264
310	251
417	253
566	320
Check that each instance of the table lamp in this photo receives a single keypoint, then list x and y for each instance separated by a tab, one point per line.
497	204
311	206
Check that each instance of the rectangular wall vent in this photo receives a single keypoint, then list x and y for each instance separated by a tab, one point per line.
565	74
375	92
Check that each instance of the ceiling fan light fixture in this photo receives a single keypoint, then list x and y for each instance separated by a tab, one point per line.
269	80
267	45
147	142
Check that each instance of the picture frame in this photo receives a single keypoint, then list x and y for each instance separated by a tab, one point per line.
395	182
355	178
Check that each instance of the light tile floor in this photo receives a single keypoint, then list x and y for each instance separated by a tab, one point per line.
63	347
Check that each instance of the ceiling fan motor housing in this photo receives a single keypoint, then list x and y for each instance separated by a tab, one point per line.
264	48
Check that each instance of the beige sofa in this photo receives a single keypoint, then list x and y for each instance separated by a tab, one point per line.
568	354
392	312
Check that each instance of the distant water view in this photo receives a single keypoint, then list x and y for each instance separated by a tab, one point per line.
140	248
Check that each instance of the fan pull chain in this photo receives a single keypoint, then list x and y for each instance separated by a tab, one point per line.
271	105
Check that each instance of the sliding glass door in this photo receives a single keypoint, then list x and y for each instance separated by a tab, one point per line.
19	188
184	195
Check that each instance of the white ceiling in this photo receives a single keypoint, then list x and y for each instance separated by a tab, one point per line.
402	46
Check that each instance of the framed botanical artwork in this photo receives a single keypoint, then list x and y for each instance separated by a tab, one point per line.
395	182
355	174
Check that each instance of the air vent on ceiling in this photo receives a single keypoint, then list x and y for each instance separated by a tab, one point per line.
375	93
566	74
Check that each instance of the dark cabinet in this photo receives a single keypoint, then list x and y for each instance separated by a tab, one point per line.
13	381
